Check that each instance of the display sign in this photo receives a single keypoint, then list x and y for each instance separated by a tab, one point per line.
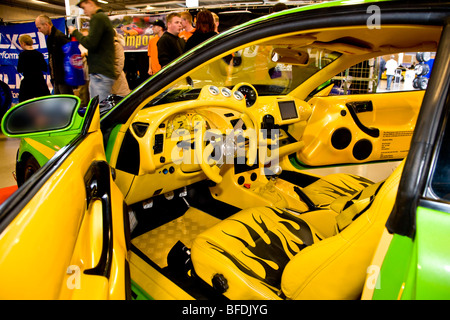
10	50
137	30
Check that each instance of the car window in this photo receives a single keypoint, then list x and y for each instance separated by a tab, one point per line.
440	184
272	69
388	73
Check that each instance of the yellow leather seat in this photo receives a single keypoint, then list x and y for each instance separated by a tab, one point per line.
331	187
272	253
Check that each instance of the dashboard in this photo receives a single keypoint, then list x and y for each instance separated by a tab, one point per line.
166	134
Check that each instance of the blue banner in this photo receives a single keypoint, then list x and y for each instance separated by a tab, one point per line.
10	49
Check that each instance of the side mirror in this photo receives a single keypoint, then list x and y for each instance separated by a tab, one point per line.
290	56
42	115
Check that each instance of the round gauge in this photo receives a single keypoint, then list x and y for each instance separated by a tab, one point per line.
249	94
213	90
226	92
180	121
238	95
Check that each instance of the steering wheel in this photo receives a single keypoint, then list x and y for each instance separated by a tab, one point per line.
202	151
227	145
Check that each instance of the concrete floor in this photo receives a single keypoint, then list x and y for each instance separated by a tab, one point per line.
8	150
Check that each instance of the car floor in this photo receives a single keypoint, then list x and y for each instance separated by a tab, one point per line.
157	243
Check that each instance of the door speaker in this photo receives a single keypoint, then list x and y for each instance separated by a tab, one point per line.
362	149
341	138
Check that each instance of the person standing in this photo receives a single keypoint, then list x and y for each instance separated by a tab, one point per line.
170	46
120	86
391	65
153	62
216	21
83	90
55	41
205	29
382	68
100	45
280	6
32	65
186	24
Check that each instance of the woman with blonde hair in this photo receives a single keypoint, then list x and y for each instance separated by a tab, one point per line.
32	65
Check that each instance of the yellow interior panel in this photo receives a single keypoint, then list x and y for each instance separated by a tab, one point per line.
52	235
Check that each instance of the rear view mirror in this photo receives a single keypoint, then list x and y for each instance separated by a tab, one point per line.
40	115
290	56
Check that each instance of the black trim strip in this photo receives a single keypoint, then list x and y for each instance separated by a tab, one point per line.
89	115
435	205
98	187
402	219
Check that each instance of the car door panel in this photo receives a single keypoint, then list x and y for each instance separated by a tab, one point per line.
360	128
58	234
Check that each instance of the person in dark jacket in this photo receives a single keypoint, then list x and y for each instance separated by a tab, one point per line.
100	45
204	29
32	65
55	40
170	46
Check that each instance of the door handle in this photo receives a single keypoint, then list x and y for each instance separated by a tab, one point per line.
358	107
97	183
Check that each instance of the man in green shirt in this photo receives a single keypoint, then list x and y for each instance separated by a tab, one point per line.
100	45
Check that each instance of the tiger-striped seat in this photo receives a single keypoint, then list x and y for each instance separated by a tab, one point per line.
274	253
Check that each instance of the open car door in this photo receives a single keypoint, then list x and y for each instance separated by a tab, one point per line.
62	232
411	261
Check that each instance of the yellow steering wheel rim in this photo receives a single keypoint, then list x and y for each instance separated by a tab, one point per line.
202	152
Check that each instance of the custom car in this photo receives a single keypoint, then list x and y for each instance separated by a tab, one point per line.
236	173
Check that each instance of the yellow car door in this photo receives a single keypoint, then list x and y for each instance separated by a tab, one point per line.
360	128
62	233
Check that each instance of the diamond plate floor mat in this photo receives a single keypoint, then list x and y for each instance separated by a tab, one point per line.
157	243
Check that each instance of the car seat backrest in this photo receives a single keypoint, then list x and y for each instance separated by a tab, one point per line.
335	268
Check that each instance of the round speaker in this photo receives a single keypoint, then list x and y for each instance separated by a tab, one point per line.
341	138
362	149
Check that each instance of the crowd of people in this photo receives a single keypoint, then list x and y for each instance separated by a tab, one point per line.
102	52
179	36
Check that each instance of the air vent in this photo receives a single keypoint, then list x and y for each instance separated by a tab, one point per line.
140	128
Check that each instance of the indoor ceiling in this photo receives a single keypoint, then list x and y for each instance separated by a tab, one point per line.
58	6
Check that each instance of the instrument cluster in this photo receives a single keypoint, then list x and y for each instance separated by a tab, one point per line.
184	123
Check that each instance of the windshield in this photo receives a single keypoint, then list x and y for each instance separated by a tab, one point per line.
271	69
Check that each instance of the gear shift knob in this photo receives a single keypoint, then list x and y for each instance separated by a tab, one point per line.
273	172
